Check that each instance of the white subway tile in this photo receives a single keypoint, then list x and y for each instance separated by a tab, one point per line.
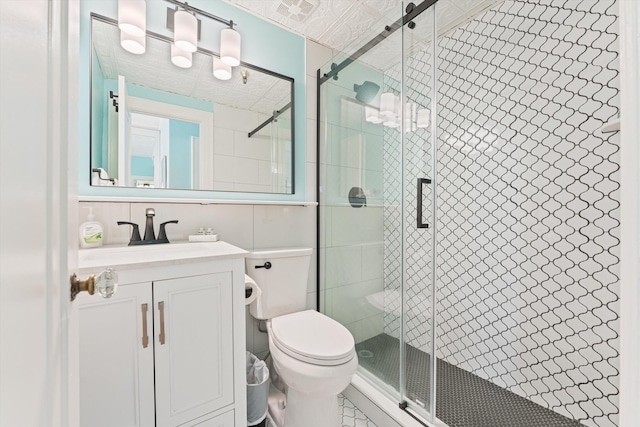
284	226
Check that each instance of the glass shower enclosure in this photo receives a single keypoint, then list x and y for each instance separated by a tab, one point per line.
468	209
376	195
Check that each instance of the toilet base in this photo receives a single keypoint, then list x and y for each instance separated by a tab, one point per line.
303	410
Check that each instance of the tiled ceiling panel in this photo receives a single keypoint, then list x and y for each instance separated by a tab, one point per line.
346	25
262	93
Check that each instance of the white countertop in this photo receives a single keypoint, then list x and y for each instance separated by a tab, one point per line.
125	257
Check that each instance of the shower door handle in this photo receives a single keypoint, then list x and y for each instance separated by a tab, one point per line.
421	181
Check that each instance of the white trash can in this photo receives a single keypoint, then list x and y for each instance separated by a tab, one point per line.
257	390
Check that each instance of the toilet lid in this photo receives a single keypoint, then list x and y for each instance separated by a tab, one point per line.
311	335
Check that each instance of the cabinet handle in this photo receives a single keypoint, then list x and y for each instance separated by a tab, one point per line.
161	309
145	335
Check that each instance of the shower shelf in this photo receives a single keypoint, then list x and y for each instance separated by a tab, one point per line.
612	126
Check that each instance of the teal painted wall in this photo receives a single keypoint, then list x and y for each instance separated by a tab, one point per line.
263	44
98	112
142	167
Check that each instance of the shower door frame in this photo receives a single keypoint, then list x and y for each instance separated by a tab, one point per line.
412	12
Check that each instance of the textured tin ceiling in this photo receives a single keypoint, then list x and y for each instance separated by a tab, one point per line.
262	93
346	25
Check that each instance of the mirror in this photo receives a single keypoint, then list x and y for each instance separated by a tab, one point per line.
156	125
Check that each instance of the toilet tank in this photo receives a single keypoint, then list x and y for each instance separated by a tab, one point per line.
283	286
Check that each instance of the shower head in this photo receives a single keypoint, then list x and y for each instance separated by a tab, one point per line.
366	91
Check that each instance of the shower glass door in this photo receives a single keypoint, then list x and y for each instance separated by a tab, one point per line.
416	81
375	161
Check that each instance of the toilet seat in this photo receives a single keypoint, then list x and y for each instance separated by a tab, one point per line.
313	338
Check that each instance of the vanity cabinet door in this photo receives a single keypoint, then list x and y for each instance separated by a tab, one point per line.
116	364
193	347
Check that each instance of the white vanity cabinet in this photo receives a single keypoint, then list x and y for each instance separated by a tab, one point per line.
168	348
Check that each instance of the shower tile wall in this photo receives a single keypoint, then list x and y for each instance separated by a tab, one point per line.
528	205
351	246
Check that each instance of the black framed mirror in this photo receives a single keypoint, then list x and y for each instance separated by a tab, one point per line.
157	125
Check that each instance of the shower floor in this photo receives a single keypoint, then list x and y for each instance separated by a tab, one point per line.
464	399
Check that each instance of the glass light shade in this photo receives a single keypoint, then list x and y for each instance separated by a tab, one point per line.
371	115
133	44
387	103
230	41
132	17
391	122
409	117
423	118
185	27
221	70
396	106
180	58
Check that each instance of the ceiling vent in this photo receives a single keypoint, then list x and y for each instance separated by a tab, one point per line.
296	10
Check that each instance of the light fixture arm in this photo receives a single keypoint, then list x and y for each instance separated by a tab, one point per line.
201	12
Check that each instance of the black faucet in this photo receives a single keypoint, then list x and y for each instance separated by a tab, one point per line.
149	235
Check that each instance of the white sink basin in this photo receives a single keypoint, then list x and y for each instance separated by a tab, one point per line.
144	255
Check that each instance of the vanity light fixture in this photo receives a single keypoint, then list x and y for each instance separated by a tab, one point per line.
181	58
230	41
132	17
221	70
133	44
389	113
185	27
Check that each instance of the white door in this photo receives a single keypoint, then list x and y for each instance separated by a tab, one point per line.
193	347
38	211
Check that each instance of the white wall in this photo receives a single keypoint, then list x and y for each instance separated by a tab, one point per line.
351	156
241	163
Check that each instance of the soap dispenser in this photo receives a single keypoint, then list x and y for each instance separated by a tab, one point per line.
91	232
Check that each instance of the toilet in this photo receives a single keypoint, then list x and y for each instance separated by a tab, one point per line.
313	355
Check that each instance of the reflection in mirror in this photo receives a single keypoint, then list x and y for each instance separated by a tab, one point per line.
156	125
